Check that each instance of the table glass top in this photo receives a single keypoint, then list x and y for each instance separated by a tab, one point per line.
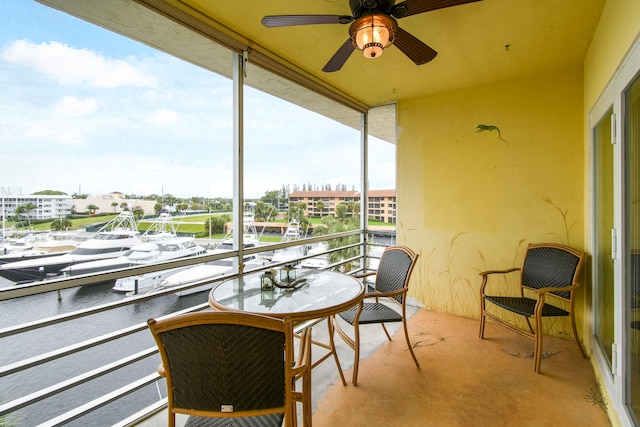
324	292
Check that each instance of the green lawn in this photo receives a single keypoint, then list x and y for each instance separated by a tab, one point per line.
191	224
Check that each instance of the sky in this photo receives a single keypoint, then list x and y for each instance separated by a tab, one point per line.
85	110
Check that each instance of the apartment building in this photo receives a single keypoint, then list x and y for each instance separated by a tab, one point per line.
381	205
46	207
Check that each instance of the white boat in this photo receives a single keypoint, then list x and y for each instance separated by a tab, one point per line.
112	240
292	233
55	244
141	254
211	269
199	273
318	262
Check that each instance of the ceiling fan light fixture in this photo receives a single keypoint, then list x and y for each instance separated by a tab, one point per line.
373	33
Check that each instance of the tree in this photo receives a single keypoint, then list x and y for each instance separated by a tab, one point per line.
320	206
60	224
124	206
271	197
341	211
216	224
20	210
114	205
157	208
353	207
28	208
138	212
50	193
92	208
331	225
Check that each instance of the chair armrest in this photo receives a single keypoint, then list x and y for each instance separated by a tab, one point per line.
509	270
360	276
542	291
378	294
303	361
485	276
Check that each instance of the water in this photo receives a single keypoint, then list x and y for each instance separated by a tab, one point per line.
30	344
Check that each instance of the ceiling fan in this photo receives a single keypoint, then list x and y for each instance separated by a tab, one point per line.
373	28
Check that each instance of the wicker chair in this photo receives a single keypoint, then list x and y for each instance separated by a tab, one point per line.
233	369
391	286
549	273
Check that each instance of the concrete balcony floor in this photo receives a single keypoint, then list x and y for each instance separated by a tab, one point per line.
462	380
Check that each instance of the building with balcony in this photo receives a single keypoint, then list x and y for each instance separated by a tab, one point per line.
381	204
45	206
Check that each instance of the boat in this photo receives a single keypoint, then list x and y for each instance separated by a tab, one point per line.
160	243
199	273
211	269
54	244
319	261
112	240
292	233
144	253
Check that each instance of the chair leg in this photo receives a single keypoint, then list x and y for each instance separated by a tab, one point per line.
537	353
356	356
386	331
577	338
332	344
483	320
406	336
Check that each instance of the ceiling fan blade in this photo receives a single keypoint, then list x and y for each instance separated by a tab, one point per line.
417	51
340	57
414	7
273	21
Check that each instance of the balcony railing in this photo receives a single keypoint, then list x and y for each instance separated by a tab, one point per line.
76	353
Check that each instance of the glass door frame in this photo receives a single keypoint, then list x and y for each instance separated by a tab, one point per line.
616	379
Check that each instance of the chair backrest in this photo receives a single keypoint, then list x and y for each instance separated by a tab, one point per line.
551	265
226	364
394	270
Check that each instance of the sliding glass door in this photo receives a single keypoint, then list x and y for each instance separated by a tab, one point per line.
603	268
631	208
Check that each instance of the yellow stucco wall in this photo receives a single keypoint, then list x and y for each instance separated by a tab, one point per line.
619	26
470	201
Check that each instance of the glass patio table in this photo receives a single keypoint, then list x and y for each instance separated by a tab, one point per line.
323	294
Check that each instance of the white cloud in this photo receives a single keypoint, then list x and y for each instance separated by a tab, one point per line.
68	65
163	117
73	106
64	136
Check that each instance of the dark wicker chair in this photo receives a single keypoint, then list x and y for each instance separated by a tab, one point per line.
233	369
391	286
550	272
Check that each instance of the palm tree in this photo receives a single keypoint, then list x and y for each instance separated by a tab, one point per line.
331	225
28	207
92	208
20	210
114	205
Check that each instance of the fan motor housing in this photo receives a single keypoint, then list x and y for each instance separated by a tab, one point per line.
361	7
